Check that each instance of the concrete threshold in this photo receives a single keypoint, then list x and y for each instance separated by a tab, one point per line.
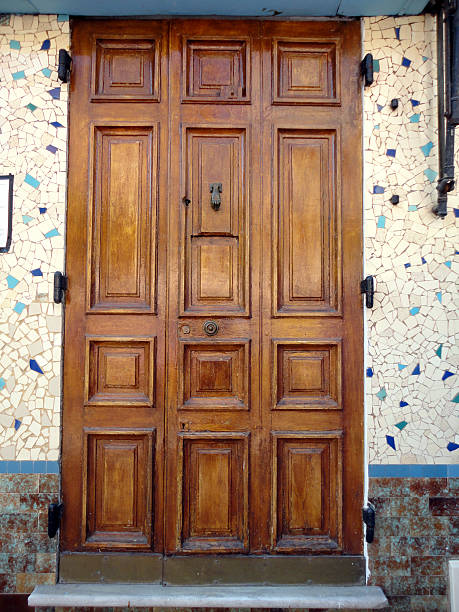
153	596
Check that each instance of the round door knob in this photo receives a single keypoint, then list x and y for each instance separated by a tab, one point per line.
210	328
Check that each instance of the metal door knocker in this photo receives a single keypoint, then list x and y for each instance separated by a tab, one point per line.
215	199
210	328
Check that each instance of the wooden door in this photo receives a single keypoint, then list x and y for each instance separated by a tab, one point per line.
213	356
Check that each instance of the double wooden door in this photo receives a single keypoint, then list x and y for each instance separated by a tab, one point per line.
213	340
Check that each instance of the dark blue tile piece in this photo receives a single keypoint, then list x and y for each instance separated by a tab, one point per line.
369	372
407	265
397	33
26	467
378	189
406	62
390	152
56	124
51	149
403	404
55	93
17	424
416	371
379	107
42	210
35	367
447	374
456	212
414	102
37	272
452	446
391	442
423	260
46	45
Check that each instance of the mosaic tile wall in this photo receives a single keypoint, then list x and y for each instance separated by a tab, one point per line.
33	141
412	390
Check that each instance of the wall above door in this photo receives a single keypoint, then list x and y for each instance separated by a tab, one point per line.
243	8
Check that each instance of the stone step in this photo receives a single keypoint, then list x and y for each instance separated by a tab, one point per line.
158	596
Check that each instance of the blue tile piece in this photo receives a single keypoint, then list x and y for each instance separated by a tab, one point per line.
390	152
375	65
30	180
406	62
448	264
39	467
414	310
382	394
3	467
35	367
14	467
26	219
402	404
11	281
430	174
447	374
423	260
439	297
52	233
56	124
369	372
415	118
42	210
2	383
46	72
412	208
416	371
20	74
393	470
397	33
55	93
15	44
51	149
401	425
379	107
37	272
427	148
381	222
414	102
407	265
452	446
391	442
17	424
439	350
52	467
456	212
378	189
26	467
46	45
377	126
19	307
401	366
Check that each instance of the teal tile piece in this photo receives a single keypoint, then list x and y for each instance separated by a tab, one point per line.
412	207
11	281
15	44
30	180
427	148
46	72
19	307
382	394
414	310
26	219
456	398
31	107
381	222
424	58
61	18
18	75
448	264
2	383
401	366
401	425
430	174
439	297
52	233
439	350
376	65
415	118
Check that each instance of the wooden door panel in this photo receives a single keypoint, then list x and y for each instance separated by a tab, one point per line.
306	71
214	498
123	223
307	374
120	371
307	491
215	254
216	70
307	254
117	500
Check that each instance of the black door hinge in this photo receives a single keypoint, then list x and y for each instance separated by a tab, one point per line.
55	512
366	69
60	286
367	286
64	65
369	518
